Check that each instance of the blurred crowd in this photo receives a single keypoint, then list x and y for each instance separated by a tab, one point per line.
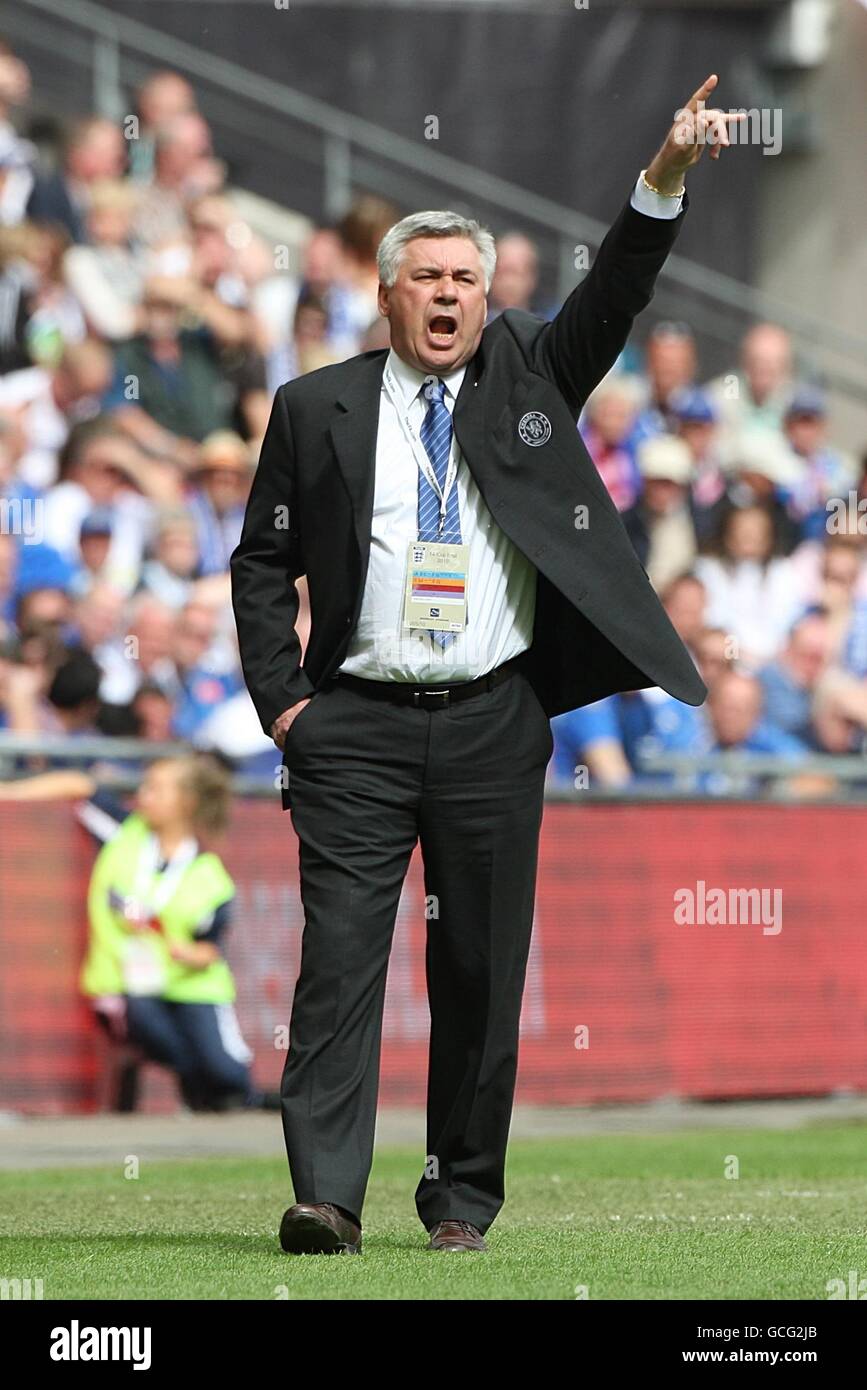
145	324
751	524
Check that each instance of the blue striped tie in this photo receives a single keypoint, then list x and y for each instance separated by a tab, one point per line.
436	436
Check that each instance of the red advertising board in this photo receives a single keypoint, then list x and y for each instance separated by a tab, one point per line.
693	950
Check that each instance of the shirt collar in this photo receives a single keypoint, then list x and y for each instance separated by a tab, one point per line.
410	379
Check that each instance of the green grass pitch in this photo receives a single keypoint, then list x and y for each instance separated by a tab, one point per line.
636	1217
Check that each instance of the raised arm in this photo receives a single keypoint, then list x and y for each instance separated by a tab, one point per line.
584	340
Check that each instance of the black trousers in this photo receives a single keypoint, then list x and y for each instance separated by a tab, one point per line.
368	779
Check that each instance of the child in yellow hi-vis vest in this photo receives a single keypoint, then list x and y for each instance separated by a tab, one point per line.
159	904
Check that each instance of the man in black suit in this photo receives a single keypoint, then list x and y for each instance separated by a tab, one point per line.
469	577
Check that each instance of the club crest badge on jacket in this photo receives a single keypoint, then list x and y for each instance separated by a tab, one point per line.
534	428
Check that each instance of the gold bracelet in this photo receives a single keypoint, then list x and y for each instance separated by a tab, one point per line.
649	185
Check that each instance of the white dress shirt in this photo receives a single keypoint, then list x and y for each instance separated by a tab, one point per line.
501	583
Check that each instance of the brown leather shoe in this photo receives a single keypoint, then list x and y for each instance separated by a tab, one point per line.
455	1235
318	1228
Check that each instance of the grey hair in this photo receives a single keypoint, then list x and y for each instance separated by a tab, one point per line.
430	224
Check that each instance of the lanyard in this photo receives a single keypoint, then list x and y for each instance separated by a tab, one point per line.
155	891
419	452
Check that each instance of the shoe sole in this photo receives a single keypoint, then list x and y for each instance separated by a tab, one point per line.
307	1235
460	1249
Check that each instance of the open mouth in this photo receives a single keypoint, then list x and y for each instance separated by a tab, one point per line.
442	330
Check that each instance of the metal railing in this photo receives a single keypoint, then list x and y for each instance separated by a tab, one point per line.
107	755
677	772
849	767
352	149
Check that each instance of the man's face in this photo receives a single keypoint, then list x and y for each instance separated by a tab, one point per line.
165	98
663	495
841	566
517	275
809	651
685	604
322	260
154	713
162	318
153	629
698	436
437	305
734	705
98	614
178	549
94	550
712	655
101	154
767	360
101	469
613	416
805	433
194	632
670	363
226	485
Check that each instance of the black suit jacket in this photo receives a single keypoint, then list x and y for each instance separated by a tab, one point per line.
599	626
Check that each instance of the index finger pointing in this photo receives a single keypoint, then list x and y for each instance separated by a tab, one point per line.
704	91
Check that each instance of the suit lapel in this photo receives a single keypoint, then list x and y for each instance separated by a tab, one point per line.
354	431
484	432
353	435
468	420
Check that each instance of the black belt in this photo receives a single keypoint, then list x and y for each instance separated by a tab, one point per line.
431	696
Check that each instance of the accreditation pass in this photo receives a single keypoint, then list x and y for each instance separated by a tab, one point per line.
436	586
